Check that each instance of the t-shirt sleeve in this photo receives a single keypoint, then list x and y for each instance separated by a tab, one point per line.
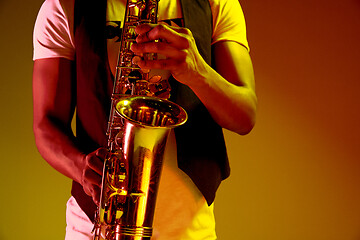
228	22
53	28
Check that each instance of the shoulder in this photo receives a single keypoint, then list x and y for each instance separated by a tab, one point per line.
58	5
56	10
228	21
53	29
220	7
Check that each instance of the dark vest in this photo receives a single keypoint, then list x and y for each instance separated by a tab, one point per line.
200	143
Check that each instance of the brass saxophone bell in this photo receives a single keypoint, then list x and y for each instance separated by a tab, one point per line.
132	175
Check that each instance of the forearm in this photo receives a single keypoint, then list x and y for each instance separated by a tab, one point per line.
57	146
53	108
233	107
54	105
228	89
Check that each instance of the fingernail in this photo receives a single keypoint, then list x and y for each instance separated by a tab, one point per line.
136	60
133	46
145	70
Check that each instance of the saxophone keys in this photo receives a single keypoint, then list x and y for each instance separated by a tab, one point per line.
160	89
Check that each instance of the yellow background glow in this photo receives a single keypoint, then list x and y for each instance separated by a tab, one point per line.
295	177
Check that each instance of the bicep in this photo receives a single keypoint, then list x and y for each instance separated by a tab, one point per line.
232	61
53	89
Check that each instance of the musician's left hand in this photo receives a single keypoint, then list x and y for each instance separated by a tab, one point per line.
226	89
178	47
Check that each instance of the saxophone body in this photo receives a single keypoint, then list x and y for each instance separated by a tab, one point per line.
139	124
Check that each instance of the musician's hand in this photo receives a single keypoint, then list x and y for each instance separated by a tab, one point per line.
92	173
178	46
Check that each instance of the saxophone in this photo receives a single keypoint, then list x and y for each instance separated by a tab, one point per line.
140	120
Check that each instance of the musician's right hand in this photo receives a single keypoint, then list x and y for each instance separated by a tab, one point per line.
92	173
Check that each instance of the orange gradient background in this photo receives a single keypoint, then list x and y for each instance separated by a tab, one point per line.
296	176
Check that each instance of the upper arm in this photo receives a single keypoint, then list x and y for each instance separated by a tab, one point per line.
232	61
53	92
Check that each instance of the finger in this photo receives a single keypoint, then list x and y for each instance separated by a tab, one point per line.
92	177
146	27
94	192
96	162
102	153
96	195
170	35
167	64
88	190
143	28
155	79
158	47
138	59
